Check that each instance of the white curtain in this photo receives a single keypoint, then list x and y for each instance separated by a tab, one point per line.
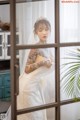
69	32
27	14
69	22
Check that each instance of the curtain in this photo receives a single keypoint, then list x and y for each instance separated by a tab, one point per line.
69	32
69	22
27	14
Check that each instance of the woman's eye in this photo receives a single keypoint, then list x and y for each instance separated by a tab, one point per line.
40	30
46	29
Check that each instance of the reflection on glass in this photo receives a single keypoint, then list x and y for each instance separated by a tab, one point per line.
70	112
0	51
70	77
69	22
49	115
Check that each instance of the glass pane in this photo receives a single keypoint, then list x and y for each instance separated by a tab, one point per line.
37	77
46	114
0	51
69	21
30	13
17	52
8	51
70	112
17	39
70	76
50	113
8	39
0	39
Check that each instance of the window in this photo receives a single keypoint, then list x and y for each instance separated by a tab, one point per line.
65	35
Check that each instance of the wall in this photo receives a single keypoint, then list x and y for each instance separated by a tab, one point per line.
5	13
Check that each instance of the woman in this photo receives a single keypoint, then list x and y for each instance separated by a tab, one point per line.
38	65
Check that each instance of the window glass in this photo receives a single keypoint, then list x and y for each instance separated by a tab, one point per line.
70	65
69	21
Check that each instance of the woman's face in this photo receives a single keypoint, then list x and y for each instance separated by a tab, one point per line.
43	32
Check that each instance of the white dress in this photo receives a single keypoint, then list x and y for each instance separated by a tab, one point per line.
33	94
32	91
35	89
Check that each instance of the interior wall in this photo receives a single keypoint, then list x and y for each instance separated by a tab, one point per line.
5	13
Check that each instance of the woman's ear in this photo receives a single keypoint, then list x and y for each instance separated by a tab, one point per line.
35	32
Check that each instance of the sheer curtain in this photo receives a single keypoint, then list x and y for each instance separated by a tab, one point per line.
27	14
69	32
69	22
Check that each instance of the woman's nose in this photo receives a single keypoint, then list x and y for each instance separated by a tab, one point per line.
44	32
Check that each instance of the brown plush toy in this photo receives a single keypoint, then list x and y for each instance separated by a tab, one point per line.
4	26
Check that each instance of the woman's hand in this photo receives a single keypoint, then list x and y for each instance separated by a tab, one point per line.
48	63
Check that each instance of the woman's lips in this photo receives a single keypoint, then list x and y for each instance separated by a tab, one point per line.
44	36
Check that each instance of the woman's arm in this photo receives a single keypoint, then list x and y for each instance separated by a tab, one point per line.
34	61
31	67
46	62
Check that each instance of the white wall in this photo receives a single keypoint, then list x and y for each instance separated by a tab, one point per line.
5	13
